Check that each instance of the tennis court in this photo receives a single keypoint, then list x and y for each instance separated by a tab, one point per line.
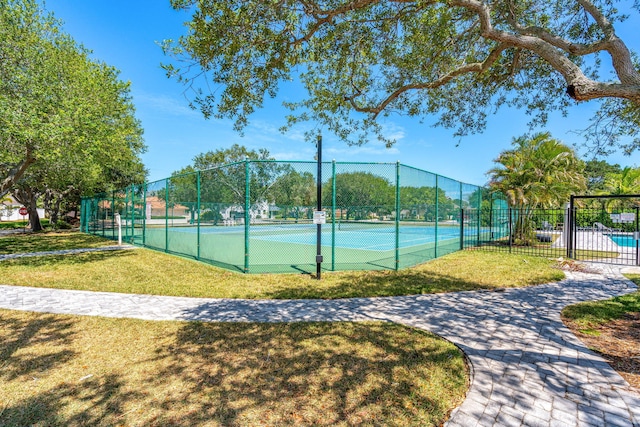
354	236
257	216
362	246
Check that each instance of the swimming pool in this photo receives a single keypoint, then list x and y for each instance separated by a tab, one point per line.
624	240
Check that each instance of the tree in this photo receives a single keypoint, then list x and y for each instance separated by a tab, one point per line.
360	194
625	182
539	172
596	171
294	191
223	179
359	60
67	123
421	202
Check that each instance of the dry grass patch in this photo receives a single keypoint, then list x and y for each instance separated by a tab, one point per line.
68	371
149	272
611	328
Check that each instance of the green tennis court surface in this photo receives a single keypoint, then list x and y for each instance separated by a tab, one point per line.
344	246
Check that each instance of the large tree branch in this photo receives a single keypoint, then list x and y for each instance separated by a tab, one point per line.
476	67
15	173
322	17
579	86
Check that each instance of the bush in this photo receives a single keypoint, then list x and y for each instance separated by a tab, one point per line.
62	225
211	215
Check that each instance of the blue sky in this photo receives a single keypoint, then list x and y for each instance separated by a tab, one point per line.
125	34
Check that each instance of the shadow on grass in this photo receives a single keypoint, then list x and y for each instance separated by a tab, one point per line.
306	374
45	330
378	284
40	242
245	374
69	259
104	401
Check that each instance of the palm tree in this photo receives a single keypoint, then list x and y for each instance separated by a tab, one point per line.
540	172
624	183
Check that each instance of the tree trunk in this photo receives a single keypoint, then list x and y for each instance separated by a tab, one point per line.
29	199
34	218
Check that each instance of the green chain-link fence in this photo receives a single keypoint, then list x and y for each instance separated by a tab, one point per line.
257	216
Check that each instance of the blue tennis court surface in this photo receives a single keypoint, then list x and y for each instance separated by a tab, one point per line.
378	238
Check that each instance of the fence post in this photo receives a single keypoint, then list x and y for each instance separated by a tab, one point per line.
436	228
166	215
198	211
491	217
144	214
461	228
333	215
571	230
461	219
479	213
510	229
133	213
397	216
113	215
637	235
247	217
81	214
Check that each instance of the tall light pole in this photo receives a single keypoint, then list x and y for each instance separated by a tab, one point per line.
319	216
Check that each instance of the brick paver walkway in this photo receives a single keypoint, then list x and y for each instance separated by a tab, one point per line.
527	368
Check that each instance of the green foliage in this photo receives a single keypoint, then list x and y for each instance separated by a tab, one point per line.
589	315
421	202
222	176
360	61
67	122
596	171
359	194
538	172
626	181
294	191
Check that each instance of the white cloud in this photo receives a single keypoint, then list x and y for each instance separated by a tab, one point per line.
166	104
393	131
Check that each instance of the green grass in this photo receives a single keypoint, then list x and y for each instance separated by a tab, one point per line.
16	225
589	315
548	251
144	271
49	241
60	370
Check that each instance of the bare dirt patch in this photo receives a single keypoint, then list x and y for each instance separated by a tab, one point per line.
618	342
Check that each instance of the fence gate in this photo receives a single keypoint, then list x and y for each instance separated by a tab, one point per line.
604	229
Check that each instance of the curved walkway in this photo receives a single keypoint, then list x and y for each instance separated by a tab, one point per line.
527	367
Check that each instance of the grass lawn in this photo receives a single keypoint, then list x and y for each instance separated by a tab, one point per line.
611	328
60	370
149	272
592	314
16	225
49	241
547	251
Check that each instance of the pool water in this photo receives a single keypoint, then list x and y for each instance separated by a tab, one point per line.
624	240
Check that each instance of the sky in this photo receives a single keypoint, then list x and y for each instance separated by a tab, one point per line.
126	35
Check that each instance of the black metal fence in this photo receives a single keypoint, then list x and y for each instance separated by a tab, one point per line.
590	228
537	232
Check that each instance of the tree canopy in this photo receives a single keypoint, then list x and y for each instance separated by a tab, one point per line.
67	122
223	176
458	59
